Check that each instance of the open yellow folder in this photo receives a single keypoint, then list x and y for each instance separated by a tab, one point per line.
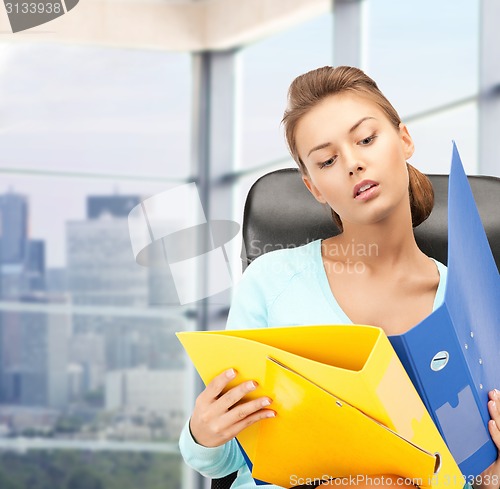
344	403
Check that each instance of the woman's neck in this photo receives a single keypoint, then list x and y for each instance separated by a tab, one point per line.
387	243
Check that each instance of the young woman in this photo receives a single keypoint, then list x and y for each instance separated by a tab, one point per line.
352	151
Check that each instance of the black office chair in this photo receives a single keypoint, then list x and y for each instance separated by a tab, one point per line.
280	212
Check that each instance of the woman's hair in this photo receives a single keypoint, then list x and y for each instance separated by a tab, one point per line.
307	90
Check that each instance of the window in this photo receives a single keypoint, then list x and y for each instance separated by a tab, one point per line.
267	69
88	356
425	60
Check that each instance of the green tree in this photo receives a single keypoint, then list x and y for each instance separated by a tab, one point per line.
7	483
83	479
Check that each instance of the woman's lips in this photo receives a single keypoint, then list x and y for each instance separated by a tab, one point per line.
363	187
368	194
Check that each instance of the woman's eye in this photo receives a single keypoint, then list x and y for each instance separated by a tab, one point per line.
368	140
327	163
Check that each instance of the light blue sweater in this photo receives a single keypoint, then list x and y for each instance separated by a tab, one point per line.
282	288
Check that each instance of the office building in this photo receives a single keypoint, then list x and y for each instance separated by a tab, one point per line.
117	206
22	260
155	391
35	264
13	228
34	356
100	265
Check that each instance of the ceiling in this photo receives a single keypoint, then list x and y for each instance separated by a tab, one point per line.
173	25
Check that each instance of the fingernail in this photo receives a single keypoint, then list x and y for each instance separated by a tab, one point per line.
230	374
266	402
270	414
251	385
496	392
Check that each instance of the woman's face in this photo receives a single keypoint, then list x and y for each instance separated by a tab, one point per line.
355	158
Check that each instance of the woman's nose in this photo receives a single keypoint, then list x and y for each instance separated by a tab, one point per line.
354	165
356	169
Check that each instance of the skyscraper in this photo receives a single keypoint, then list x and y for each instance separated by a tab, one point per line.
117	206
22	260
13	228
34	356
35	264
102	272
100	265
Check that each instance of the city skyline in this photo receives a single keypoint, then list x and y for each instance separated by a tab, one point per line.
75	364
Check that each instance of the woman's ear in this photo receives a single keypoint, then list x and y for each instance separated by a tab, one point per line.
313	189
406	141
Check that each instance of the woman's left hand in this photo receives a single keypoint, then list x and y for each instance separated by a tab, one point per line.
490	478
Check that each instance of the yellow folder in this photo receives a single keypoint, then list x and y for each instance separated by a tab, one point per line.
345	405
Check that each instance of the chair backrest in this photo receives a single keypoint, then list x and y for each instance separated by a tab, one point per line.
281	213
224	482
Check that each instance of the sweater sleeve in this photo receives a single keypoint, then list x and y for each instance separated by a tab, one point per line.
249	307
248	310
214	462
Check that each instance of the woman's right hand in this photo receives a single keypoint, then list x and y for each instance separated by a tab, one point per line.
218	418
